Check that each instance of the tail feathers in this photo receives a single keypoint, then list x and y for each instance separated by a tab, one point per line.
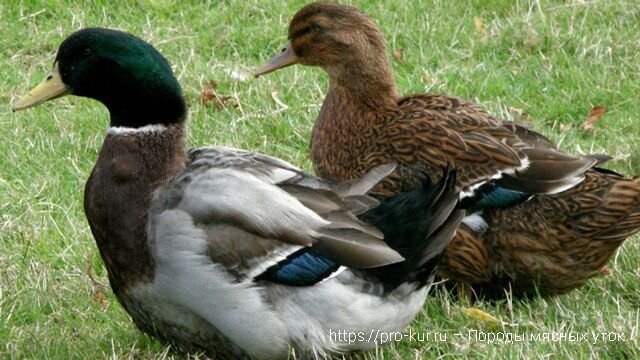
344	219
348	196
418	224
441	237
354	248
446	201
538	187
427	266
617	215
364	184
548	171
550	164
344	239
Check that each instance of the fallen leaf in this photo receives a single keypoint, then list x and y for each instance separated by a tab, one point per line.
398	54
594	115
208	92
605	271
99	299
480	28
209	96
480	315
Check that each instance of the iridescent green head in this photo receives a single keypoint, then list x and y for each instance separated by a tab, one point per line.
128	75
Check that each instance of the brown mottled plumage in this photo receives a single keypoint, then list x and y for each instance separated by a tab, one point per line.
554	241
551	244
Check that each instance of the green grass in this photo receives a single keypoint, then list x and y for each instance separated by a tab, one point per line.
538	61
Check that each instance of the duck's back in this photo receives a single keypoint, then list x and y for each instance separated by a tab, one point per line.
426	132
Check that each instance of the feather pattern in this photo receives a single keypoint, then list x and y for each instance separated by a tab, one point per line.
309	255
518	178
302	268
250	197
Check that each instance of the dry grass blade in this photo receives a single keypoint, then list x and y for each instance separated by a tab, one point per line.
480	27
281	105
398	54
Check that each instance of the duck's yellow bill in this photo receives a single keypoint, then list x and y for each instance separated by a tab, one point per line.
50	88
286	58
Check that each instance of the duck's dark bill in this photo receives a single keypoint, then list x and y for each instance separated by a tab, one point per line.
50	88
286	58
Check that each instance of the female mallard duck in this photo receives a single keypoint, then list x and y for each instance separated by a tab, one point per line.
235	253
549	244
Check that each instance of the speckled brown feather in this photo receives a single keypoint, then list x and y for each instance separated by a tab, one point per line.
557	242
364	123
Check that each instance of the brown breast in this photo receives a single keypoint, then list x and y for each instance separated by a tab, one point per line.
130	167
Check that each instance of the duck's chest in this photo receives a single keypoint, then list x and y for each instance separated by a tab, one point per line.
346	143
130	167
116	205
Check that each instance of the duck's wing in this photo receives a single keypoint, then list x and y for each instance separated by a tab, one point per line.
420	224
528	135
260	214
483	147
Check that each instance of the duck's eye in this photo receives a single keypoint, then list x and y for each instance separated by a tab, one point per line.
315	27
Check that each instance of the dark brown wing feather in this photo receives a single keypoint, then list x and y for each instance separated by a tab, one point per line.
437	128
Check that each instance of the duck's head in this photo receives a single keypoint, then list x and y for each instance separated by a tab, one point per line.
128	75
336	37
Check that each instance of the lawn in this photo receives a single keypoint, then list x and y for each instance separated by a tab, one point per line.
544	62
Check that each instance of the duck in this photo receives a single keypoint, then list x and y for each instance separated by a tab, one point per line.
230	253
540	222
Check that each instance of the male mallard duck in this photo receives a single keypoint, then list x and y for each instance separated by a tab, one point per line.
235	253
516	240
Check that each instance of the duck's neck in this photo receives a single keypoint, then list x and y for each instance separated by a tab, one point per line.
367	82
152	106
359	99
133	163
